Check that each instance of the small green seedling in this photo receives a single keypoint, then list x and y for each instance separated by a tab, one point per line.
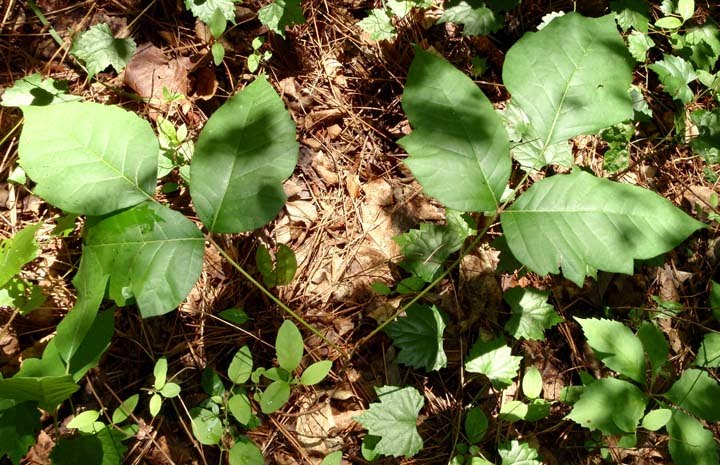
162	389
176	150
257	57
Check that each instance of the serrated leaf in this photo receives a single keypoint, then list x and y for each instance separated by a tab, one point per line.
610	405
206	426
476	425
454	126
708	354
289	346
393	420
47	391
690	443
699	44
280	14
518	453
19	425
238	186
494	360
315	372
707	142
631	14
204	9
245	452
475	18
655	346
656	419
98	48
125	409
697	393
36	91
88	158
616	346
17	251
583	224
531	313
241	366
240	408
675	74
570	78
532	383
638	45
419	336
378	24
274	396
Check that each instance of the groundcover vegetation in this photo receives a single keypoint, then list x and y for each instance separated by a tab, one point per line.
558	304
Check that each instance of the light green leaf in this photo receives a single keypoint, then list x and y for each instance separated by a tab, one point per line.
494	360
206	426
47	391
616	346
537	410
160	373
639	44
426	249
88	158
34	90
218	53
532	383
531	313
22	295
668	22
289	346
393	420
709	352
245	452
656	419
316	372
513	410
631	14
697	393
282	271
379	25
98	48
475	18
170	390
333	458
458	149
280	14
690	443
655	345
204	9
570	78
17	251
125	409
675	74
155	405
152	254
668	7
419	336
84	419
585	224
699	44
610	405
532	153
518	453
707	142
244	152
686	8
401	8
274	397
240	408
217	23
241	366
476	425
19	425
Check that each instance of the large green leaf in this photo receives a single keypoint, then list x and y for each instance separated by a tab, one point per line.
34	90
583	224
419	336
19	425
690	443
518	453
570	78
459	150
88	158
697	393
102	448
47	391
610	405
244	152
151	253
708	354
616	346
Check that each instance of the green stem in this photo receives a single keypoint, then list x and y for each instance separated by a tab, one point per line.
53	33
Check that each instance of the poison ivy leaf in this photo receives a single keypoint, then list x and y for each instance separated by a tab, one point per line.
88	158
585	224
610	405
93	346
281	13
518	453
241	366
379	25
570	78
709	352
245	452
690	443
204	9
631	14
19	425
98	48
17	251
393	420
34	90
675	74
531	313
707	142
494	360
639	44
289	346
22	295
475	18
426	249
152	254
616	346
102	448
206	426
697	393
656	419
655	346
458	150
47	391
533	153
238	186
84	419
419	336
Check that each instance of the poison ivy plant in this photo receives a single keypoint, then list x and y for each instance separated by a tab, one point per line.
633	14
98	48
531	313
419	336
15	253
36	91
696	392
690	443
280	14
638	45
473	15
494	360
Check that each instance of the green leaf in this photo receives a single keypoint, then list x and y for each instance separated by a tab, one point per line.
206	426
707	142
211	383
234	315
17	251
585	224
289	346
413	335
675	74
240	408
152	254
518	453
238	186
690	443
19	425
393	420
473	15
218	53
616	346
205	9
316	372
531	313
532	383
697	393
93	346
47	391
631	14
401	8
494	360
217	23
714	299
379	25
83	419
280	14
655	345
686	8
476	425
275	396
668	22
513	410
282	271
170	390
333	458
656	419
537	410
98	48
20	294
638	45
426	249
155	404
88	158
708	355
160	373
455	127
699	44
102	448
34	90
570	78
610	405
241	366
125	409
245	452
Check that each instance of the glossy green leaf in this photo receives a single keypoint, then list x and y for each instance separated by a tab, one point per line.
205	9
170	390
36	91
518	453
655	345
274	397
476	425
616	346
98	48
708	354
610	405
93	346
690	443
240	408
47	391
473	15
19	426
675	74
393	420
245	452
289	346
656	419
378	24
17	251
280	14
583	224
160	373
316	372
458	150
494	360
531	313
638	45
206	426
125	409
532	383
88	158
631	14
697	393
155	404
241	366
419	336
152	254
234	315
244	152
570	78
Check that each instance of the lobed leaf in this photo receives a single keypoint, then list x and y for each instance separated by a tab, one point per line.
531	313
616	346
494	360
204	9
419	336
98	48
